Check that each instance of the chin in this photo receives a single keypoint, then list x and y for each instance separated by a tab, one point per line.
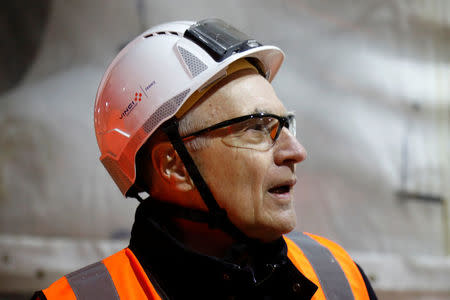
288	228
271	233
287	224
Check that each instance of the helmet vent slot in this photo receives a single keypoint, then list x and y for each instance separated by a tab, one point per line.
195	65
162	33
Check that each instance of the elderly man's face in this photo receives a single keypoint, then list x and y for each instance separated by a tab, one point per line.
253	186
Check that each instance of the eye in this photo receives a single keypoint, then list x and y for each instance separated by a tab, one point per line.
257	127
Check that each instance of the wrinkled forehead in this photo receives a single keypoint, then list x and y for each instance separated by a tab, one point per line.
243	95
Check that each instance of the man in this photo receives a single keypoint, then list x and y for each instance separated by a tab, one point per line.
186	113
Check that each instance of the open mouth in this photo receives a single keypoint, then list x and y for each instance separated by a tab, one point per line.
282	189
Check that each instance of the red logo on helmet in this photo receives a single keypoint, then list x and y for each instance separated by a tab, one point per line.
137	96
135	99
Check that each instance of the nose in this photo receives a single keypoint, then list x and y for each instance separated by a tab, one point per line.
288	150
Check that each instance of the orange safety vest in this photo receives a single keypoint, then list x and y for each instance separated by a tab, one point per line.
121	276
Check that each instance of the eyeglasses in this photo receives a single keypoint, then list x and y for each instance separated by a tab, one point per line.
257	131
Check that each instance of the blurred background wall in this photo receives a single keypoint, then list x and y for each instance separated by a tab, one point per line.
369	82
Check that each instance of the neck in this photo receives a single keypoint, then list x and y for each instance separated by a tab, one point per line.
201	238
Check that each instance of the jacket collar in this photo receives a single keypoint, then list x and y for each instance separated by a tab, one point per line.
246	269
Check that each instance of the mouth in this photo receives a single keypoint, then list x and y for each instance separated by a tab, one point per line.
282	188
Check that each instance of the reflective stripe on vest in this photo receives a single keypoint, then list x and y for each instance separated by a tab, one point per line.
93	282
328	265
332	279
119	276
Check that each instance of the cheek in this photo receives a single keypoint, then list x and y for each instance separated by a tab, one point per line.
236	177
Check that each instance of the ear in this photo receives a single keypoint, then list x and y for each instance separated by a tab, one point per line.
170	168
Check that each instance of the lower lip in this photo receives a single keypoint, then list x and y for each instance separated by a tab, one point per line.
284	197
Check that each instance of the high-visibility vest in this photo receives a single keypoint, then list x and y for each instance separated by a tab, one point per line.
121	276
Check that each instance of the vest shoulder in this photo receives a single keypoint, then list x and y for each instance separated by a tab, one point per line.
61	288
299	237
313	254
307	248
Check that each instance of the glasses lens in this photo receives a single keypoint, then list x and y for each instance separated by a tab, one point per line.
292	124
256	133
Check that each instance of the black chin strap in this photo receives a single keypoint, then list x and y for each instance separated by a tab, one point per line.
216	217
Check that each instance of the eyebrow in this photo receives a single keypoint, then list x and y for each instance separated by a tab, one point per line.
258	111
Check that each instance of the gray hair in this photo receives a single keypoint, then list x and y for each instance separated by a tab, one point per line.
187	124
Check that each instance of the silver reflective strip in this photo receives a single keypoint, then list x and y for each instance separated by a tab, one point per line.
93	282
332	278
195	65
168	109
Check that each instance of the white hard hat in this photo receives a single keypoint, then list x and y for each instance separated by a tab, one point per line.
153	76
